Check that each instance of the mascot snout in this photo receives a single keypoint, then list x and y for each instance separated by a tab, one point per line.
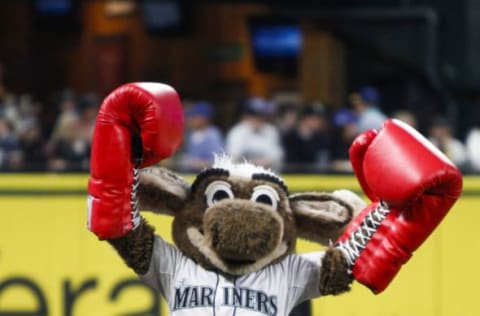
241	231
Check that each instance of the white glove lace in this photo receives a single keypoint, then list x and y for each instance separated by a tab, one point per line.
353	246
134	198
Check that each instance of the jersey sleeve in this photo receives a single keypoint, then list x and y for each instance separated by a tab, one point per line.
162	266
304	276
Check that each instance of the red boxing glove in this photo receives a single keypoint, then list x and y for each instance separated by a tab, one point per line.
412	186
146	115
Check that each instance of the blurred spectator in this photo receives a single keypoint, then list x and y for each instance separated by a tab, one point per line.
10	153
406	117
29	113
254	138
70	144
9	109
287	117
441	135
88	106
33	148
68	114
366	103
472	144
69	152
202	139
345	122
307	145
3	90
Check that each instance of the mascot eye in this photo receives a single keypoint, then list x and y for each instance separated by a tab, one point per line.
217	191
267	195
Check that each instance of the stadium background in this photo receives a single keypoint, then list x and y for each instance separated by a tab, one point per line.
51	265
421	54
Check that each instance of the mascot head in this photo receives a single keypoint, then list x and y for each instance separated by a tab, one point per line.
238	218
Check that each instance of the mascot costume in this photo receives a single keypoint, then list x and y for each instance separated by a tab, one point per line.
235	227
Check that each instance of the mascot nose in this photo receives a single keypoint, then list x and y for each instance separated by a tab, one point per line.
242	231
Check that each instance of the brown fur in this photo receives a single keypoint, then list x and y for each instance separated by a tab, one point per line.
233	238
170	198
136	247
238	236
233	244
320	217
335	277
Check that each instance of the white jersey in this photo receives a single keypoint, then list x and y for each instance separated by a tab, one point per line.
189	289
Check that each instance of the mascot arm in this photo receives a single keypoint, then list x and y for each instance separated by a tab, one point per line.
322	217
412	186
138	124
335	275
136	247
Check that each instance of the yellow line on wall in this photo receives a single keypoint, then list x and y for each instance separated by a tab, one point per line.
51	183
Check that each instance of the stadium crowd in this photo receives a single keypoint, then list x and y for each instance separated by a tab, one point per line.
284	136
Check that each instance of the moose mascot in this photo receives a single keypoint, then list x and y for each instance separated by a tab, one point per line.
235	227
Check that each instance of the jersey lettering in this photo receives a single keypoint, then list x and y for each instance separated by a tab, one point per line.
193	296
250	299
238	297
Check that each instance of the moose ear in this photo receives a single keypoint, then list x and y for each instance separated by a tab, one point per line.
322	217
162	191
